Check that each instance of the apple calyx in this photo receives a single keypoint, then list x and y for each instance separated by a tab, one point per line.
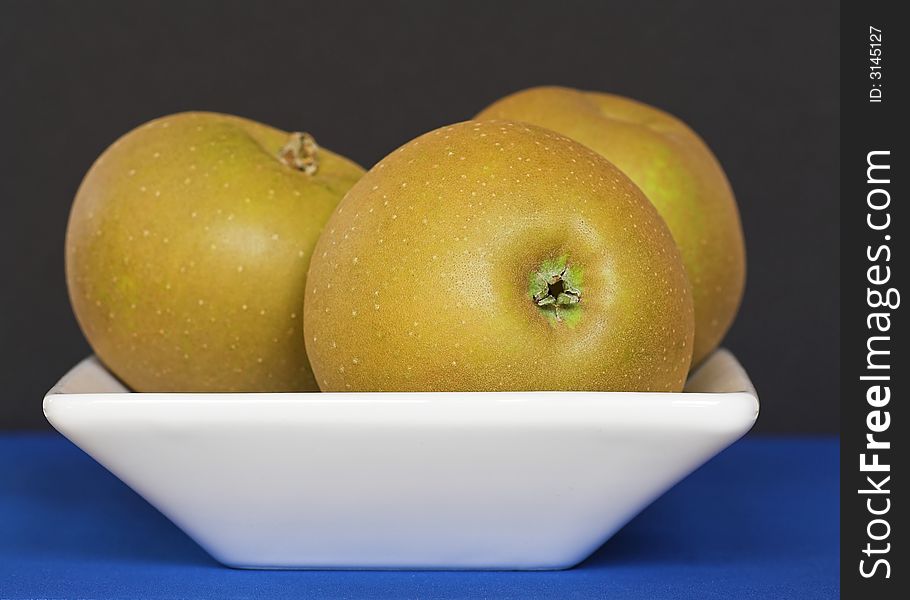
556	287
300	152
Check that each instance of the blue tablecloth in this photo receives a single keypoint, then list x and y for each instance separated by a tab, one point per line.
758	521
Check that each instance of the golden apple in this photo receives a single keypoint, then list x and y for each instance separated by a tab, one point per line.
497	256
187	250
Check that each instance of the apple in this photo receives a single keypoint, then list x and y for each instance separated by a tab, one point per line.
187	249
491	256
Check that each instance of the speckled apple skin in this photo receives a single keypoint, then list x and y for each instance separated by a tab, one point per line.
678	173
186	254
420	279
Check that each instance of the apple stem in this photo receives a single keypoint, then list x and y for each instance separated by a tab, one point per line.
300	152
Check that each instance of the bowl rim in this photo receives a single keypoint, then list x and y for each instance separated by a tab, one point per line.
719	386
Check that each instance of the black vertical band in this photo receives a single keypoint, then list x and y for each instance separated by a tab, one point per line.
874	264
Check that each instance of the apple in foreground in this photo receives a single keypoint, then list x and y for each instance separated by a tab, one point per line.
187	249
677	172
497	256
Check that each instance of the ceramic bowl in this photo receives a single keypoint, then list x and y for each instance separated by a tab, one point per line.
500	480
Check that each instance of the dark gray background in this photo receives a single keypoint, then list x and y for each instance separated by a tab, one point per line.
758	80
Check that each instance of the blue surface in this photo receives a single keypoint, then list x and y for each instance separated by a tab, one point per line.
758	521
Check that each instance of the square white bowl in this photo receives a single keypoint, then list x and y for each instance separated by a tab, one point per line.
517	480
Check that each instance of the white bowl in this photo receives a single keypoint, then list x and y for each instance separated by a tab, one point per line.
533	480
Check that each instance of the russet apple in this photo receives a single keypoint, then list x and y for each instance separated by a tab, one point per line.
187	250
497	256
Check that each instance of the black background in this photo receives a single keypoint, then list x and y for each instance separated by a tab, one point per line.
758	81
